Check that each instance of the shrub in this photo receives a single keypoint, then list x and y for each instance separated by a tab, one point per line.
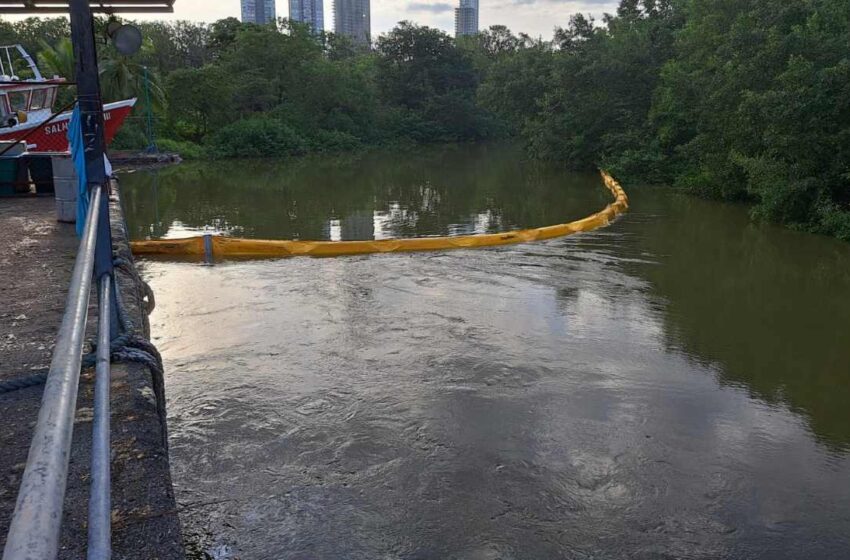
130	137
834	221
334	141
186	150
257	137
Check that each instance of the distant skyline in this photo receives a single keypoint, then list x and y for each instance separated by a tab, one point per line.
535	17
467	19
258	11
353	18
311	12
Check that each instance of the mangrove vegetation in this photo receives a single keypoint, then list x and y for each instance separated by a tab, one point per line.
739	100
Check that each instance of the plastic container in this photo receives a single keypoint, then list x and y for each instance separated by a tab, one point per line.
65	186
13	176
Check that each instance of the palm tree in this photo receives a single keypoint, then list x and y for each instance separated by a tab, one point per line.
58	60
120	77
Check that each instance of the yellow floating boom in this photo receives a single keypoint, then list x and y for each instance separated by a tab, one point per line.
233	247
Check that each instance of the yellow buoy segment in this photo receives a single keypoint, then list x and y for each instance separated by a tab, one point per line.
233	247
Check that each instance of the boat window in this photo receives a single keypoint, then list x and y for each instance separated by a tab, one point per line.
19	100
39	99
49	98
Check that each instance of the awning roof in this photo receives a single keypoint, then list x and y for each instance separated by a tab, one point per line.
61	7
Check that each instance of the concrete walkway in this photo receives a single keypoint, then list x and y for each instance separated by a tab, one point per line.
35	268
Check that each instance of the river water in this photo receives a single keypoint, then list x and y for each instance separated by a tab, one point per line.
674	386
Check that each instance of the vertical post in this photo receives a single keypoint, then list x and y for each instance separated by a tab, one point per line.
91	111
152	149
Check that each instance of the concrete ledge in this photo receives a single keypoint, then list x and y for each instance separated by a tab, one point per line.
145	519
36	273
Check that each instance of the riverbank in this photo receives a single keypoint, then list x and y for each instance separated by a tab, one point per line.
34	276
141	159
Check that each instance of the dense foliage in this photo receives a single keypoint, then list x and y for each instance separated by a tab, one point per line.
755	104
240	89
734	99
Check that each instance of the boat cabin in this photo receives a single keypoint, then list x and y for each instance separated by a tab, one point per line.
26	105
19	102
21	99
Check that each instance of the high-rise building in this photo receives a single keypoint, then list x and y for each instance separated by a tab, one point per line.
466	18
352	18
258	11
311	12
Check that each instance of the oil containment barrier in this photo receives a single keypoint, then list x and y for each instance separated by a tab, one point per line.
219	246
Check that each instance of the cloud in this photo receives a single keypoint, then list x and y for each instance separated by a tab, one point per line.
438	8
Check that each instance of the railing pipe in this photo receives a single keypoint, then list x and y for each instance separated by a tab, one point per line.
100	500
37	521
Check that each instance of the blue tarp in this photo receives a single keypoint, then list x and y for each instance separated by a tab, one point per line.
78	155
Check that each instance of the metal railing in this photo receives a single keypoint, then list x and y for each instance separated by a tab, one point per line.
100	500
35	530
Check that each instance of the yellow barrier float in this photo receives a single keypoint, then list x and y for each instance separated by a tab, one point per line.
258	248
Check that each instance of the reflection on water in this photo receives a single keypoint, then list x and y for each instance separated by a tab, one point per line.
446	191
674	386
770	306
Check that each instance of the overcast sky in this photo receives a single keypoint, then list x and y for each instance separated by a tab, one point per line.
535	17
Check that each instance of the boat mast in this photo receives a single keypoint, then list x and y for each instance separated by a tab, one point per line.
25	55
30	62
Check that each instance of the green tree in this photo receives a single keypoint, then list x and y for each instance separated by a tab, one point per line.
421	71
222	34
734	99
32	31
121	77
516	82
200	100
341	47
755	106
595	108
58	60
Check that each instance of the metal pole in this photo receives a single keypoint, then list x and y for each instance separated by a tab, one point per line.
100	500
37	521
149	113
88	89
91	111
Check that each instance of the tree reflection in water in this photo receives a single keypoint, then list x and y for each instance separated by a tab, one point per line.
438	191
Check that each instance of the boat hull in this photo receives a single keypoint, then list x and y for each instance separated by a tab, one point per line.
53	136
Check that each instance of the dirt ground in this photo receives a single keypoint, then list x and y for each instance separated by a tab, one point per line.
35	269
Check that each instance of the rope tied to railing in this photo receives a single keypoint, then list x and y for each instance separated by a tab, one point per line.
32	380
129	346
126	348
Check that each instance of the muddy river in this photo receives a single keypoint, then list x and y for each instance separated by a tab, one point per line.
674	386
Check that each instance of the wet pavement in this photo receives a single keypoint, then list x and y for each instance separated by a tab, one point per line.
35	269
